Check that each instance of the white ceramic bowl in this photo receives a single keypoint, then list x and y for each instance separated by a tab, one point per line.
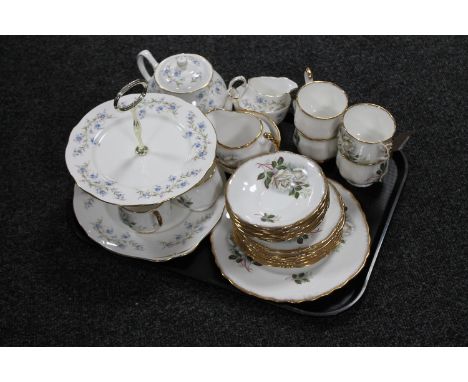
324	231
276	190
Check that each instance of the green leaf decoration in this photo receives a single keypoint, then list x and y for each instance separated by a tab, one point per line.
261	176
267	182
232	257
297	281
300	240
294	276
296	195
238	260
274	163
280	160
302	274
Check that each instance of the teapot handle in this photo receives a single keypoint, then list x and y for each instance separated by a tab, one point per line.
141	57
308	76
232	91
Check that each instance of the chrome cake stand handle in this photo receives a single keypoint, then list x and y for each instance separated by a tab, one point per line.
141	149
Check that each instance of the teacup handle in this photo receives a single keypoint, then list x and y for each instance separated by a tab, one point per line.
141	57
384	172
271	137
232	91
308	76
387	150
158	217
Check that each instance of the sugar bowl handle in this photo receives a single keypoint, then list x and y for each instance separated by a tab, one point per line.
141	57
232	91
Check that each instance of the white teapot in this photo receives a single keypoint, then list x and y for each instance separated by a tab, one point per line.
187	76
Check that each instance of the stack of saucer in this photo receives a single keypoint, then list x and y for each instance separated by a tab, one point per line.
284	211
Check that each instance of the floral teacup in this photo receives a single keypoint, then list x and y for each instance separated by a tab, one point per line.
366	134
358	174
205	194
319	108
147	218
241	136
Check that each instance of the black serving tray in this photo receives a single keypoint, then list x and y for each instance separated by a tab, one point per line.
378	202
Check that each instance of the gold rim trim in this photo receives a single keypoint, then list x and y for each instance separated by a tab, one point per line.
298	301
315	116
373	105
292	258
245	145
269	121
180	92
279	234
361	164
300	262
299	221
315	139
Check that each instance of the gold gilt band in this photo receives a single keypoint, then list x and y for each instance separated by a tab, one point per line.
306	259
288	232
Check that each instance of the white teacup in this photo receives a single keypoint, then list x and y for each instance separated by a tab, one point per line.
366	134
147	218
241	136
317	149
319	108
205	194
360	175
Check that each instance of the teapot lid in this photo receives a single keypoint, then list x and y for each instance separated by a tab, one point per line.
183	73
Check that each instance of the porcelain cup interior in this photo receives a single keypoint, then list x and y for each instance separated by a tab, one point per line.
204	195
366	134
240	136
319	109
360	175
147	218
235	130
322	99
369	123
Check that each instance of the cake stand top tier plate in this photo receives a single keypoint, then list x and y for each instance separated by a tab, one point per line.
101	157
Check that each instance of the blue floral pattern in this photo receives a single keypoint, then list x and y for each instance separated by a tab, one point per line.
101	187
262	104
88	132
108	234
190	229
175	182
195	129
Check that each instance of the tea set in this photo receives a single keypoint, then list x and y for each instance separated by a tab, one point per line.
150	175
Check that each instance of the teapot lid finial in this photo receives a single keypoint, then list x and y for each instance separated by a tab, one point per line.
183	73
